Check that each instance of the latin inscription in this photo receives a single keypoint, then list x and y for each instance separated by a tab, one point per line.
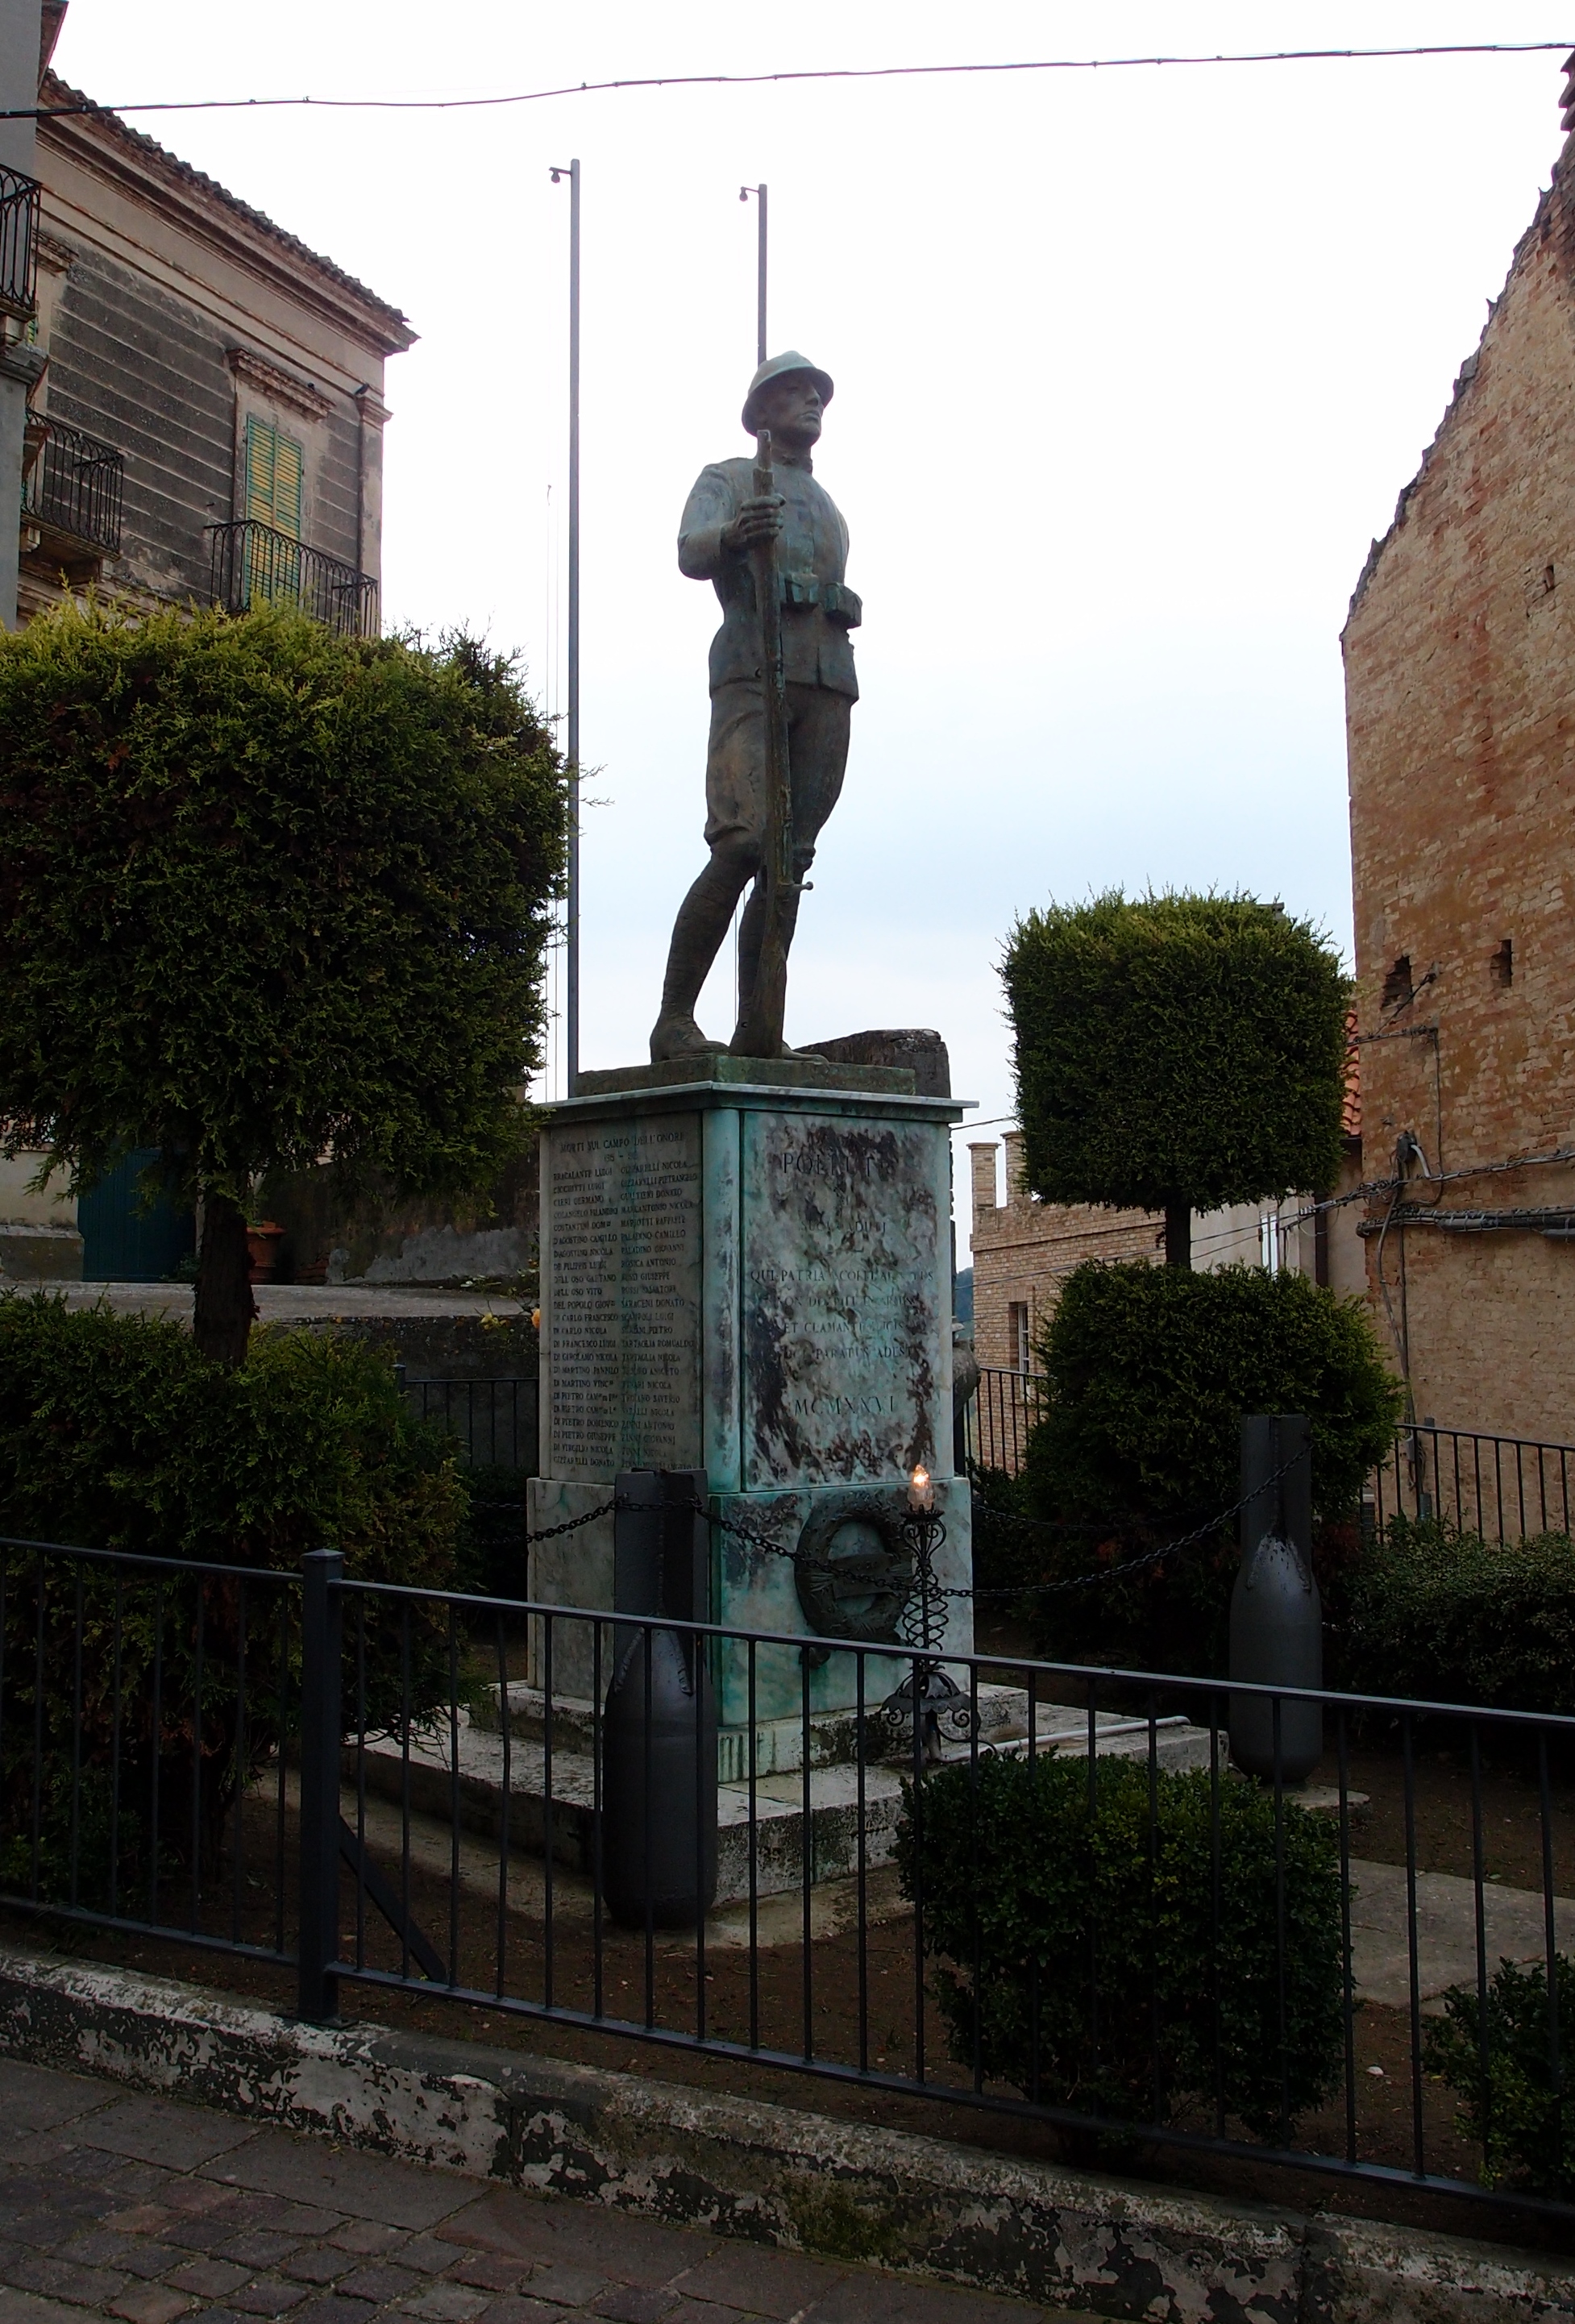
623	1298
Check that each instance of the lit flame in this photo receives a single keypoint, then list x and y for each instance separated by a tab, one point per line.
920	1479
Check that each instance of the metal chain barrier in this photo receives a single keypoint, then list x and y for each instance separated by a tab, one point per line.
1129	1565
573	1524
760	1541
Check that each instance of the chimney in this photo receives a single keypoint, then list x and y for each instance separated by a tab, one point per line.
982	1158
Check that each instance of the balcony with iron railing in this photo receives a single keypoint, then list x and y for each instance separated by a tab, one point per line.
255	565
71	491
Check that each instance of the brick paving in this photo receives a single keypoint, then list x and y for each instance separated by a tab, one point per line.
144	2211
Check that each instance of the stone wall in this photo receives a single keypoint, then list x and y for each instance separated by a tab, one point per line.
1461	695
492	1238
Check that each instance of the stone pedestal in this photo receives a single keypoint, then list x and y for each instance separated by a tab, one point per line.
746	1267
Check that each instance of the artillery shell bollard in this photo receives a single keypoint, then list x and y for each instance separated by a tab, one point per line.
658	1726
1277	1617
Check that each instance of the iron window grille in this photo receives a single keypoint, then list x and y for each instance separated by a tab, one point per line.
74	484
19	203
255	564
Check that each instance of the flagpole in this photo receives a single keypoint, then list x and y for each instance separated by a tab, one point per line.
572	915
760	245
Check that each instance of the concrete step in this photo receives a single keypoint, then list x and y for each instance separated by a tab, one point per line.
833	1735
497	1779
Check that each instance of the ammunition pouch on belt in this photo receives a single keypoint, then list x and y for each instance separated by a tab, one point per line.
836	601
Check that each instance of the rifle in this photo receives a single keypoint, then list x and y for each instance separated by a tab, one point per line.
761	1012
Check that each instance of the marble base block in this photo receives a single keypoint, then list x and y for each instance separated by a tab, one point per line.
746	1267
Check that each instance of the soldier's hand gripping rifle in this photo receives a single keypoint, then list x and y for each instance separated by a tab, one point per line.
761	1012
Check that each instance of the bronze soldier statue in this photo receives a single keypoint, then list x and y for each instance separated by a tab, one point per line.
723	523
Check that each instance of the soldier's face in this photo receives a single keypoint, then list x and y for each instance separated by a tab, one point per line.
791	408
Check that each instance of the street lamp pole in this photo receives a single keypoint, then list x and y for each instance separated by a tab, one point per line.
759	194
572	931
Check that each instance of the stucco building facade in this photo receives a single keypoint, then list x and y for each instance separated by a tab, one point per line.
1459	656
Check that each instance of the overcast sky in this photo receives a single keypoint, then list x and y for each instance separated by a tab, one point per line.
1130	370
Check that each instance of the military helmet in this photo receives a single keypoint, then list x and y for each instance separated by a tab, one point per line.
779	368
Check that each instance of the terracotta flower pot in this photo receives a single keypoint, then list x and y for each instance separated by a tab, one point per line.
263	1245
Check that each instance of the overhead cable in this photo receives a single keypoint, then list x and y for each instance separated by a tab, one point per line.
808	73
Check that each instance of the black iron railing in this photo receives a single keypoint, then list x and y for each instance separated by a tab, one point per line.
1504	1488
452	1812
19	210
494	1420
254	565
1001	1417
74	484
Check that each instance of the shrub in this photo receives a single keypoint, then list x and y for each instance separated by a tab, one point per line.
1433	1612
1520	2115
116	1432
1148	1373
265	890
1176	1053
1026	1885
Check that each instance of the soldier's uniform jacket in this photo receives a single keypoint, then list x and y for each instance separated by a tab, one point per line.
818	608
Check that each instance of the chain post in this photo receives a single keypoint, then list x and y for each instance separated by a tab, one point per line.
317	1989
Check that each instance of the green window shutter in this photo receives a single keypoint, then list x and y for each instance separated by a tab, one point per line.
287	468
274	477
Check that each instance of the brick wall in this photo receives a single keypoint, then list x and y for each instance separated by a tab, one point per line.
1024	1249
1460	698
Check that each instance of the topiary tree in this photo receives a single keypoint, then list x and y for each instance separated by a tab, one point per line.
1218	1949
1177	1053
1147	1372
265	893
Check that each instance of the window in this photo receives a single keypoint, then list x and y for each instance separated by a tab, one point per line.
1398	991
272	498
1502	966
1017	1334
274	473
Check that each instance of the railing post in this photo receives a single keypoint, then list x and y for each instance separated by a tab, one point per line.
659	1725
317	1989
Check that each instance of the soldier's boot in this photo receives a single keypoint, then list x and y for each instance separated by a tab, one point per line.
676	1035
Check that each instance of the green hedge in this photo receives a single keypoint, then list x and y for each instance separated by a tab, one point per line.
1026	1885
1519	2114
116	1433
1176	1046
1433	1612
1148	1371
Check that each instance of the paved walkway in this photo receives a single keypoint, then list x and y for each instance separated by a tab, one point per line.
144	2211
